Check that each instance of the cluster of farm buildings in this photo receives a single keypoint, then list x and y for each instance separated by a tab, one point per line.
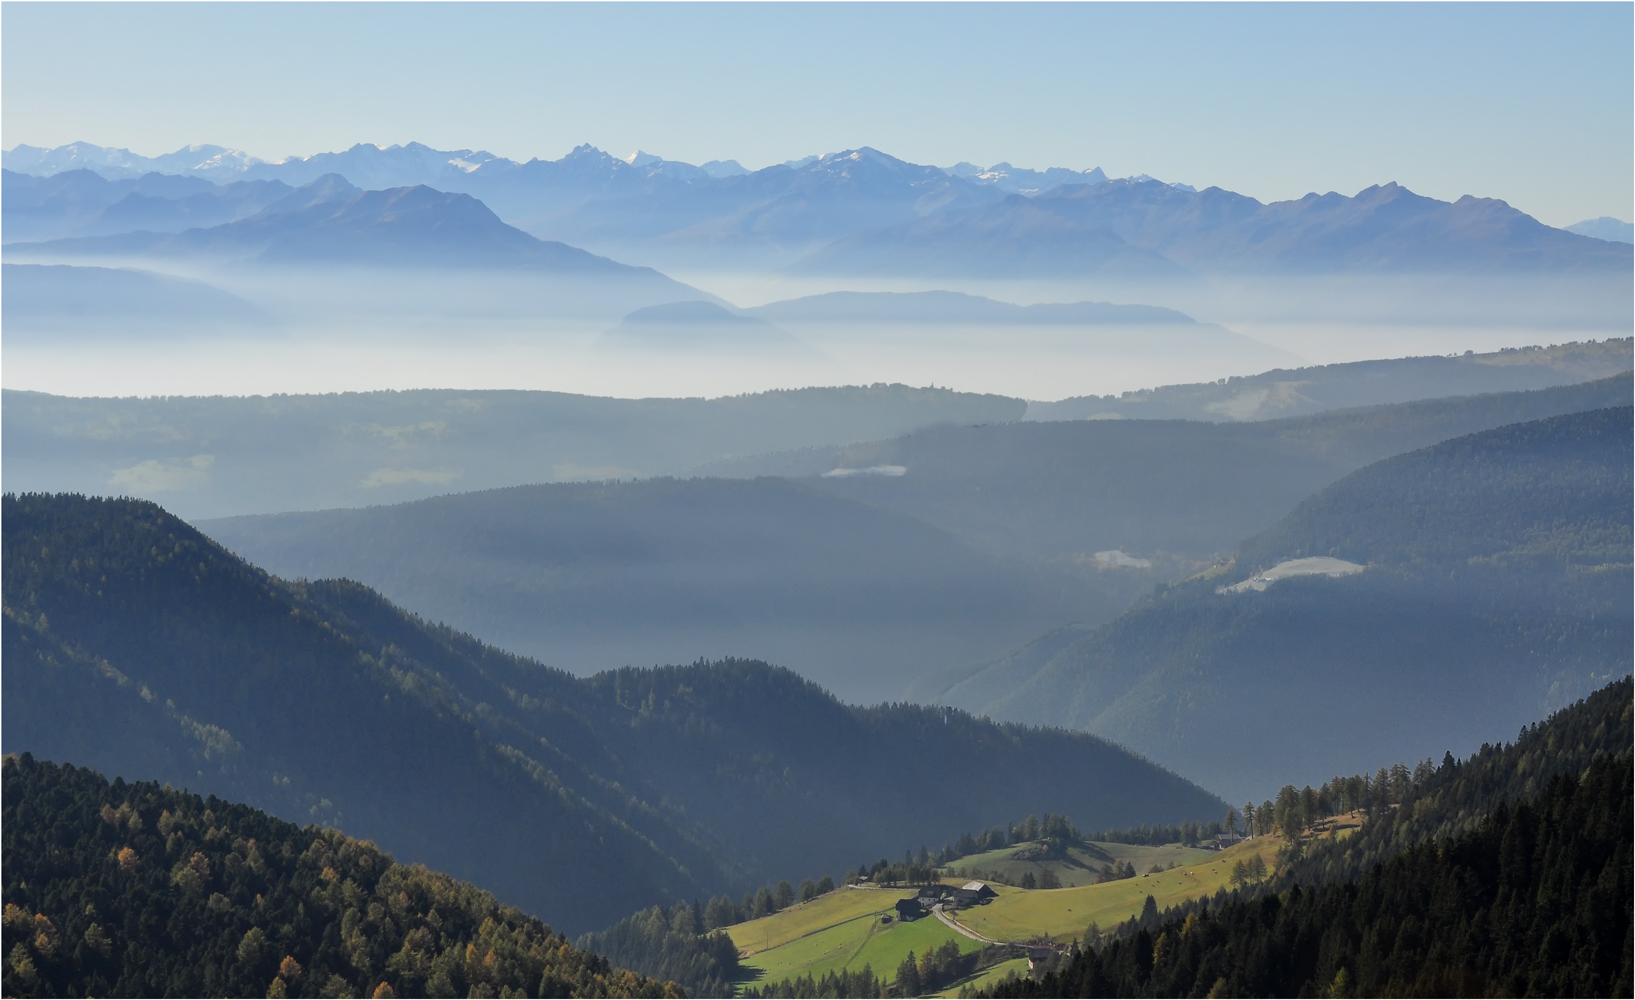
969	894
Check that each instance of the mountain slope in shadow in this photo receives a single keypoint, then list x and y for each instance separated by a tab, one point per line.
1487	580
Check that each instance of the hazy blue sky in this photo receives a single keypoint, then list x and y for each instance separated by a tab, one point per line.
1529	103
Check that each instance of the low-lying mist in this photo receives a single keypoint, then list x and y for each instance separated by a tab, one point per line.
341	329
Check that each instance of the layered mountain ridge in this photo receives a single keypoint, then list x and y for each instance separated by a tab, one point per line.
864	212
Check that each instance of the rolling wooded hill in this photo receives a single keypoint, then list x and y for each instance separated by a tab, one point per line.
131	889
1497	586
136	646
1178	492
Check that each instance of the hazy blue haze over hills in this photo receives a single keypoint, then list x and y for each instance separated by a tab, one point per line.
690	326
1292	392
59	298
1180	492
134	645
1497	586
215	457
1007	533
594	576
219	456
954	307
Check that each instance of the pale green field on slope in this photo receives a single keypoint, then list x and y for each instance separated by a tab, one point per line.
1082	865
1064	914
843	929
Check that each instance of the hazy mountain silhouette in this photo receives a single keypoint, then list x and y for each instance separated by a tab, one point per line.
81	202
954	307
331	222
1120	227
60	297
693	326
598	575
1605	228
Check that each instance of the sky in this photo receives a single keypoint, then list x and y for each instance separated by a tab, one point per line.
1528	103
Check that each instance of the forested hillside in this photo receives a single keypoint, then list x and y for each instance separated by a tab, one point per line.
141	890
1457	797
1534	902
135	645
1497	587
1553	490
1176	492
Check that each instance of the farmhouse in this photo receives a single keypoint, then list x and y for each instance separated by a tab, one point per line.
972	893
910	908
1224	840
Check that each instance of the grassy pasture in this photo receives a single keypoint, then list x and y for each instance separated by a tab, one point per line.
804	919
1082	865
841	930
1063	914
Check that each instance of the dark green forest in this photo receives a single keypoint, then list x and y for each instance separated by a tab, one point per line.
1548	495
683	944
1536	901
1458	796
135	645
141	890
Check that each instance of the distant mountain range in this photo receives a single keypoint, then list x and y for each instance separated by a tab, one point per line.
1151	229
328	221
1605	228
863	212
83	203
414	163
